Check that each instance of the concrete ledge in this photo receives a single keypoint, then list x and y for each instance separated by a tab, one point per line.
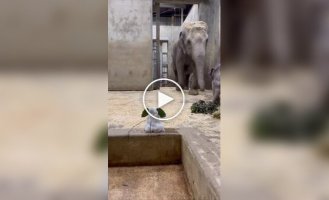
200	160
136	148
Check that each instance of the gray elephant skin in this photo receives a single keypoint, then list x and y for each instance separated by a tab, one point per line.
189	54
215	77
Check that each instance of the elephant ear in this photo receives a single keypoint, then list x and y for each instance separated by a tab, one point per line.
161	113
144	113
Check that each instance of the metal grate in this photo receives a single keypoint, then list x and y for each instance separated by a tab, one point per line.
163	60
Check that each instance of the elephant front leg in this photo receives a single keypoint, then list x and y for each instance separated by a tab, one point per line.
216	92
181	75
193	85
176	80
216	96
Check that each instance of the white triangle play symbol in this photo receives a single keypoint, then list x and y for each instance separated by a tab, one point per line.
163	99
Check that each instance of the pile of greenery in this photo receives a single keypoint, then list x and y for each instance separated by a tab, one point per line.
216	114
204	107
161	113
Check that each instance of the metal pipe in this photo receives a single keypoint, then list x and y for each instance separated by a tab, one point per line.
157	68
181	16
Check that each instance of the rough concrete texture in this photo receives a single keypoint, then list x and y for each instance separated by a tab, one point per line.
147	183
132	148
129	44
201	164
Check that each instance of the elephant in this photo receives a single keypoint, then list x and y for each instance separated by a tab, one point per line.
189	55
215	77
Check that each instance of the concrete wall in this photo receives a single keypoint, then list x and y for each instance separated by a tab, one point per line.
129	44
209	12
51	32
136	148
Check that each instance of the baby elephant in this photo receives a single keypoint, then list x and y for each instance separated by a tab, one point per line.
154	125
215	77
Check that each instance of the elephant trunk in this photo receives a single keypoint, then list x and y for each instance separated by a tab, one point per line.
199	61
200	75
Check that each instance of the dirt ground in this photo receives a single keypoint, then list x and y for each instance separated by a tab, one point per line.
147	182
125	108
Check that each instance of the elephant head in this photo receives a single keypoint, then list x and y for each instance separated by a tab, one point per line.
193	40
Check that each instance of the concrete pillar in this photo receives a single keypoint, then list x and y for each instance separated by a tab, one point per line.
129	44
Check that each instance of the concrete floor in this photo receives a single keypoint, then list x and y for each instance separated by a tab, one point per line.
147	183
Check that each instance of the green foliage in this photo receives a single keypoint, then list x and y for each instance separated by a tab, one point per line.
204	107
144	113
216	115
161	113
101	141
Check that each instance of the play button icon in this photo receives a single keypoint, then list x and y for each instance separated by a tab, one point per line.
167	98
163	99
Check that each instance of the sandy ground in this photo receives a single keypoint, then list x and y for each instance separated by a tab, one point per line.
148	182
125	108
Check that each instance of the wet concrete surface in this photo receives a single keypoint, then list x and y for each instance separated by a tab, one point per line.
166	182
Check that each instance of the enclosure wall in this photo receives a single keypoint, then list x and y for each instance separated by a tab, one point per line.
129	44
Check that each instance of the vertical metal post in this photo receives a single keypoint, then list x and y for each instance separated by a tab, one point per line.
157	19
181	16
